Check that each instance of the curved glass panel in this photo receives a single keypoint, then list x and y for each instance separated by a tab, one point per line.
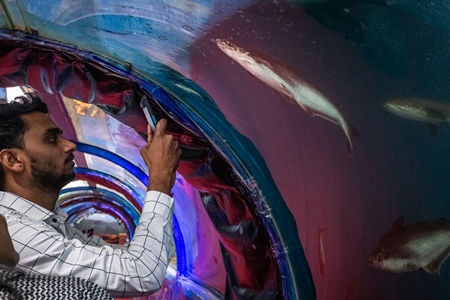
165	30
94	127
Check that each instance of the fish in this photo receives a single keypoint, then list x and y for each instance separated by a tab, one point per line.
403	248
435	113
430	111
290	84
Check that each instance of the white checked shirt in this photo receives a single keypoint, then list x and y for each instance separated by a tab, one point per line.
48	246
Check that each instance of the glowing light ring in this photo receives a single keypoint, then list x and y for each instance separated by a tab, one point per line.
67	194
114	158
180	248
132	191
76	211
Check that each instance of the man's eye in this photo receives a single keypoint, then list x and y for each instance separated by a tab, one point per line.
52	139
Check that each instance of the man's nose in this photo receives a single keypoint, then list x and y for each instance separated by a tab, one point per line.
69	146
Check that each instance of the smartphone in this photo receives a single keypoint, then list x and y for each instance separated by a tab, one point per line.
151	119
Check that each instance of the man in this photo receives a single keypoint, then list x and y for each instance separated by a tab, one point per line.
15	285
36	162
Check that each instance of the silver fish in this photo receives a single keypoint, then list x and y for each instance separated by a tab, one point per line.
417	109
290	84
423	245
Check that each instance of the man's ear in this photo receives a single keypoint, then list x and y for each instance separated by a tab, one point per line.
11	160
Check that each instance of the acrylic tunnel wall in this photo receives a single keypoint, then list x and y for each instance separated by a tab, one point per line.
314	135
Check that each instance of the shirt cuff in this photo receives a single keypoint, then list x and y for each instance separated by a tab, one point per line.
157	202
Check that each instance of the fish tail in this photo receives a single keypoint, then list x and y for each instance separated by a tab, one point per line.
349	148
350	132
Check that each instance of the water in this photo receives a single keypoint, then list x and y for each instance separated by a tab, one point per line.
359	56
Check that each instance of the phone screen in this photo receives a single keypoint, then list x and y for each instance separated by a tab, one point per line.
151	119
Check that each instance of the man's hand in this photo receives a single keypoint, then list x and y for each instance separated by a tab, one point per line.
162	155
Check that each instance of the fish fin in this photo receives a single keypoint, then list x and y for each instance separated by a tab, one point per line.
398	222
434	129
434	267
252	75
312	112
309	110
336	104
433	113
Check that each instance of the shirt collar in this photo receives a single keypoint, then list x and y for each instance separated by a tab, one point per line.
28	208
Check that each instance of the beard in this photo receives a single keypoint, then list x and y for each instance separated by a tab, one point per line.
46	177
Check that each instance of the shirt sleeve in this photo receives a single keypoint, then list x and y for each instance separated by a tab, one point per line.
131	271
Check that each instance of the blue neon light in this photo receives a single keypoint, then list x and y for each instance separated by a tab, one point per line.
180	247
118	160
132	191
75	209
108	196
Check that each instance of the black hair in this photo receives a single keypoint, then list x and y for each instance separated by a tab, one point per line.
13	126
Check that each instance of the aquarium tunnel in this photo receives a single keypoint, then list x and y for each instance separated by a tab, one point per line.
314	137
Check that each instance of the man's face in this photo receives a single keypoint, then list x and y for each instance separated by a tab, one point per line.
50	155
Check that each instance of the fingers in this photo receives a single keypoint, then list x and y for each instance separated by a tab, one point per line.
149	134
160	130
161	127
162	157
